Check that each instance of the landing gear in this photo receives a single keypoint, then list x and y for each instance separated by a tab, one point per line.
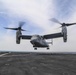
48	48
35	48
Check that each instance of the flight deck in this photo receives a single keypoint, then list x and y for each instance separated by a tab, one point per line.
14	63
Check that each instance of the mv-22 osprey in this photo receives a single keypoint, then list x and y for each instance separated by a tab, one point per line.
39	41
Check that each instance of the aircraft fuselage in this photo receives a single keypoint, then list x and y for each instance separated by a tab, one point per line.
38	41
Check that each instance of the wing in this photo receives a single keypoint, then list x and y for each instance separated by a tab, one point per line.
28	37
51	36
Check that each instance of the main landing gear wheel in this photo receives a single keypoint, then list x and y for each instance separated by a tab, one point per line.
35	48
48	48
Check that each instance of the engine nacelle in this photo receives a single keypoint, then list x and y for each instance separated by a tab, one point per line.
18	38
64	37
64	32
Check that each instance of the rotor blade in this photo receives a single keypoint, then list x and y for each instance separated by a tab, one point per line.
59	27
70	24
23	30
55	20
19	28
21	24
11	28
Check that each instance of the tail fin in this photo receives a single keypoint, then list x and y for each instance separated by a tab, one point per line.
50	42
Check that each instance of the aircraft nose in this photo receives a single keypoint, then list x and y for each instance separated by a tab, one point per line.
33	41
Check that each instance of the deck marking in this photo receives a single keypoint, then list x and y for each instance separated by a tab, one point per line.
3	54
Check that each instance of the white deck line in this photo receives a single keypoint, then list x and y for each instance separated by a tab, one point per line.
3	54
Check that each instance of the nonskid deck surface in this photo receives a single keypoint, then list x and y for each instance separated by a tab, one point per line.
37	64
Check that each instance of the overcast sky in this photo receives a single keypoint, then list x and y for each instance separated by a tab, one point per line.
36	14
